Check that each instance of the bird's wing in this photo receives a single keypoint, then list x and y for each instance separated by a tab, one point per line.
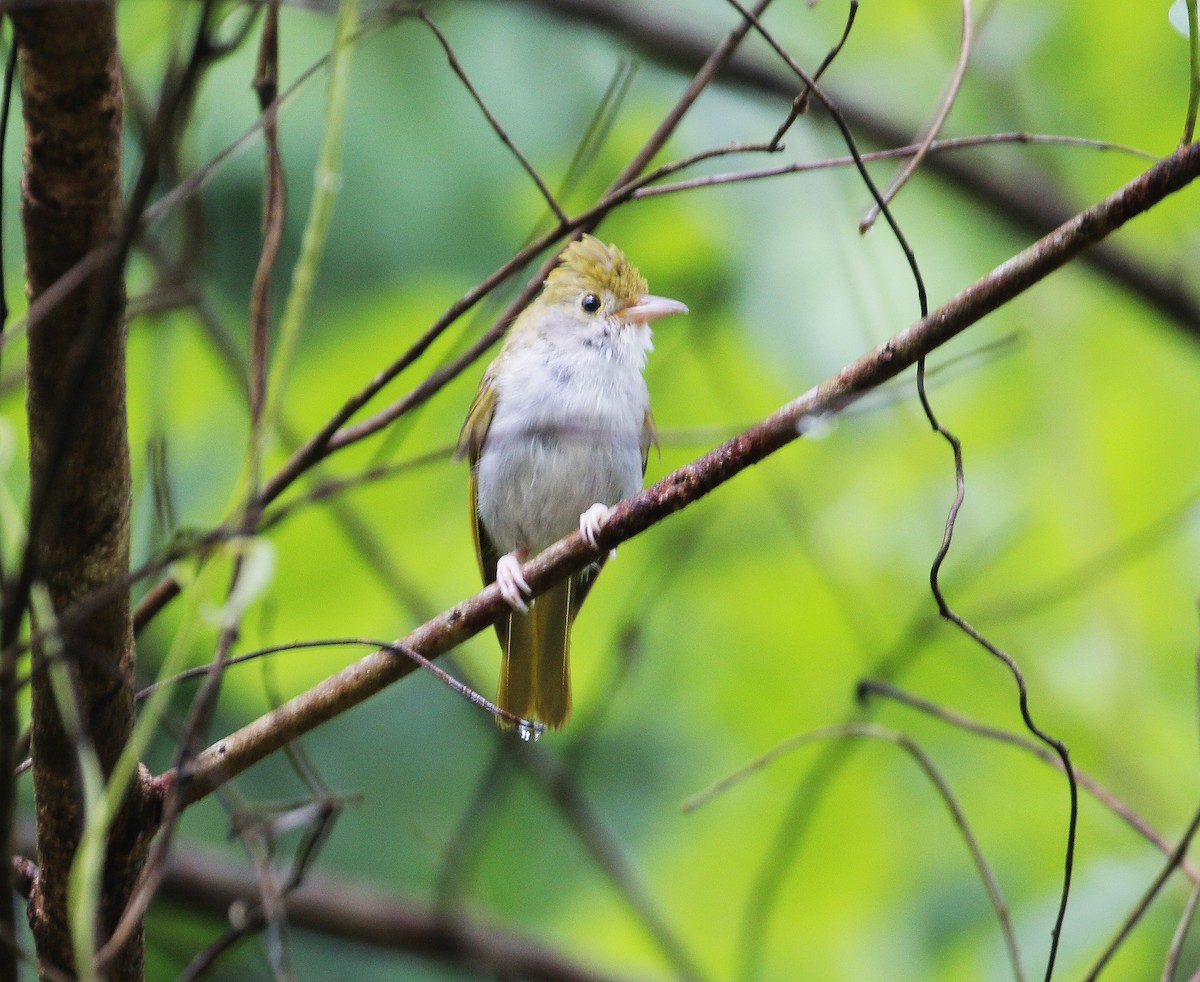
479	420
649	438
470	445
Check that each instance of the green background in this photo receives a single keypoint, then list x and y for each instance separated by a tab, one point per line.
750	617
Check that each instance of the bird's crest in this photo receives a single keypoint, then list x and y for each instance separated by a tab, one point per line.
588	264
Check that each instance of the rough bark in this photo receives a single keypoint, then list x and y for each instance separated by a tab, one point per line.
79	455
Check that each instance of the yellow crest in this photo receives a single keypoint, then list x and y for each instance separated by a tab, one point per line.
588	264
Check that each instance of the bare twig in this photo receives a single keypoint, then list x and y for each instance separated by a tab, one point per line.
1193	101
646	190
1017	198
939	119
266	87
333	487
10	67
1143	904
497	128
839	120
718	57
357	682
461	688
951	615
871	731
354	912
800	103
872	687
1180	936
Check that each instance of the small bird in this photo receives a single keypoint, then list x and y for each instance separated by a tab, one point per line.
558	432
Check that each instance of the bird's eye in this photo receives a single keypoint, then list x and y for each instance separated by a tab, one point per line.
590	303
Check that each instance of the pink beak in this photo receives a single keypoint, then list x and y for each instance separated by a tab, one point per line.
649	307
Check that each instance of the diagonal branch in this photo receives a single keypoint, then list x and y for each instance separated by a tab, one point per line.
339	909
1017	198
234	754
336	433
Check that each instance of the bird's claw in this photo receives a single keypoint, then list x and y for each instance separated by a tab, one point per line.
590	522
513	587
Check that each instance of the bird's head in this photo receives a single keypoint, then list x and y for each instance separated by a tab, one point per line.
596	287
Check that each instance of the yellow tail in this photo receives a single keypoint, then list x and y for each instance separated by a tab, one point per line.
535	677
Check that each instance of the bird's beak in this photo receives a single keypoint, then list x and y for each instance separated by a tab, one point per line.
649	307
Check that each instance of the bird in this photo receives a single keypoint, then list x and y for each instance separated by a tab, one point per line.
559	431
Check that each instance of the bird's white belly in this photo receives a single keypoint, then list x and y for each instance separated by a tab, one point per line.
535	480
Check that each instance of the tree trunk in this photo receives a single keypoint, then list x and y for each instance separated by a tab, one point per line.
79	454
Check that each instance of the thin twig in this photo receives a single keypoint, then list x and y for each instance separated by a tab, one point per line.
939	119
689	483
871	731
340	908
800	103
1180	936
10	68
461	688
497	128
1147	898
266	88
938	146
328	489
1189	124
843	127
1016	198
1009	662
875	687
716	61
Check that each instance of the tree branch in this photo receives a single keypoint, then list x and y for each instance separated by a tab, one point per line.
232	755
79	455
356	913
1018	198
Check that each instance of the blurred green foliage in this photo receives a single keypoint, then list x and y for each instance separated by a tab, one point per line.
750	617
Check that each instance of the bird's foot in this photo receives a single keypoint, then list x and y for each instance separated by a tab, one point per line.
513	587
590	522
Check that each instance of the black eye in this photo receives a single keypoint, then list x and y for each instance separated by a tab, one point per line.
590	303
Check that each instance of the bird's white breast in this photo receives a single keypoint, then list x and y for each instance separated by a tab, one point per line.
566	433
